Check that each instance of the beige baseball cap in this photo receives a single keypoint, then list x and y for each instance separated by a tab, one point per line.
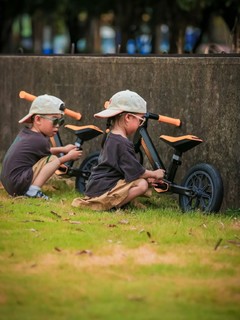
44	104
123	101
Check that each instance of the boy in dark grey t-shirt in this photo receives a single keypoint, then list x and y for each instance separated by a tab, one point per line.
30	160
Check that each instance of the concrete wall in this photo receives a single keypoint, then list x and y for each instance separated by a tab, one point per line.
202	91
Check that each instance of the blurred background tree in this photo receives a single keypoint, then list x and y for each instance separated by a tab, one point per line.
113	26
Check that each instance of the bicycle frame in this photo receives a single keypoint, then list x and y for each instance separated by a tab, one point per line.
180	145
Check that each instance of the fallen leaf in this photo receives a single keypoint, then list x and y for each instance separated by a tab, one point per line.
75	222
222	224
218	243
89	252
33	265
34	220
136	298
148	234
56	214
123	221
153	241
237	243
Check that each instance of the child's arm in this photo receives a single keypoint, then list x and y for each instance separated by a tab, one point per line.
73	154
62	149
153	174
70	151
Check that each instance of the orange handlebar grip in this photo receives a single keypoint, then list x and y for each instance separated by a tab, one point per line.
173	121
72	114
27	96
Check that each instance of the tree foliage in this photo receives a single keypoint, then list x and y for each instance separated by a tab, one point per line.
176	14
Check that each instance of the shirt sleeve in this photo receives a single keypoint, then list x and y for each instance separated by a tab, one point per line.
129	164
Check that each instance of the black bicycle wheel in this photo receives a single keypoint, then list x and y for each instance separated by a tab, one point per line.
86	166
207	189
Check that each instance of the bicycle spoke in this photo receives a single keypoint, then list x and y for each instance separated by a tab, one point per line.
202	187
206	188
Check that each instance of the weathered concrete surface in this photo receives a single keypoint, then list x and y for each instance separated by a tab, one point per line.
202	91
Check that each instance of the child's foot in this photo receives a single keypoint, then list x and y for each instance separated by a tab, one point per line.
38	194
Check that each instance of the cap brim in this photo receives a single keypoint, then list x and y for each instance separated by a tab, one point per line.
26	119
108	113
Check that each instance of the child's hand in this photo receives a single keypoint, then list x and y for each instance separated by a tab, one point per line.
75	153
68	148
159	174
154	182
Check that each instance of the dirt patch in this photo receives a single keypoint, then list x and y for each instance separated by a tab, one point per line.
144	255
115	255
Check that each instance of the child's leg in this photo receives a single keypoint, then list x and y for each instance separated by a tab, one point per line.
42	171
136	191
121	194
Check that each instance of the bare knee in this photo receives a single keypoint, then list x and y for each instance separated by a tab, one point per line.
137	190
143	186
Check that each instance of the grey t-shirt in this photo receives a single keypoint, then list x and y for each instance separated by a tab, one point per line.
27	149
116	161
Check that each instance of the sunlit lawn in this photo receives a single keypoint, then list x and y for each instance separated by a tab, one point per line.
59	262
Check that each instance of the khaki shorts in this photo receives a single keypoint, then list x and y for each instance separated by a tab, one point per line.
40	164
107	200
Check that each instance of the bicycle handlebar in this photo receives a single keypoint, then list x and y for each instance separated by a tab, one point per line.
71	113
160	118
30	97
169	120
27	96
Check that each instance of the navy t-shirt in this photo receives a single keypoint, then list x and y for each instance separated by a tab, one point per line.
26	150
117	161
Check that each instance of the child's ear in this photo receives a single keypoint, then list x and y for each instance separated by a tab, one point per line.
127	116
36	119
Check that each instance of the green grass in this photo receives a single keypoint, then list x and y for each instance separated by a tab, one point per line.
60	262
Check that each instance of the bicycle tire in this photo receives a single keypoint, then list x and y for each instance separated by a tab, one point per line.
207	186
86	166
